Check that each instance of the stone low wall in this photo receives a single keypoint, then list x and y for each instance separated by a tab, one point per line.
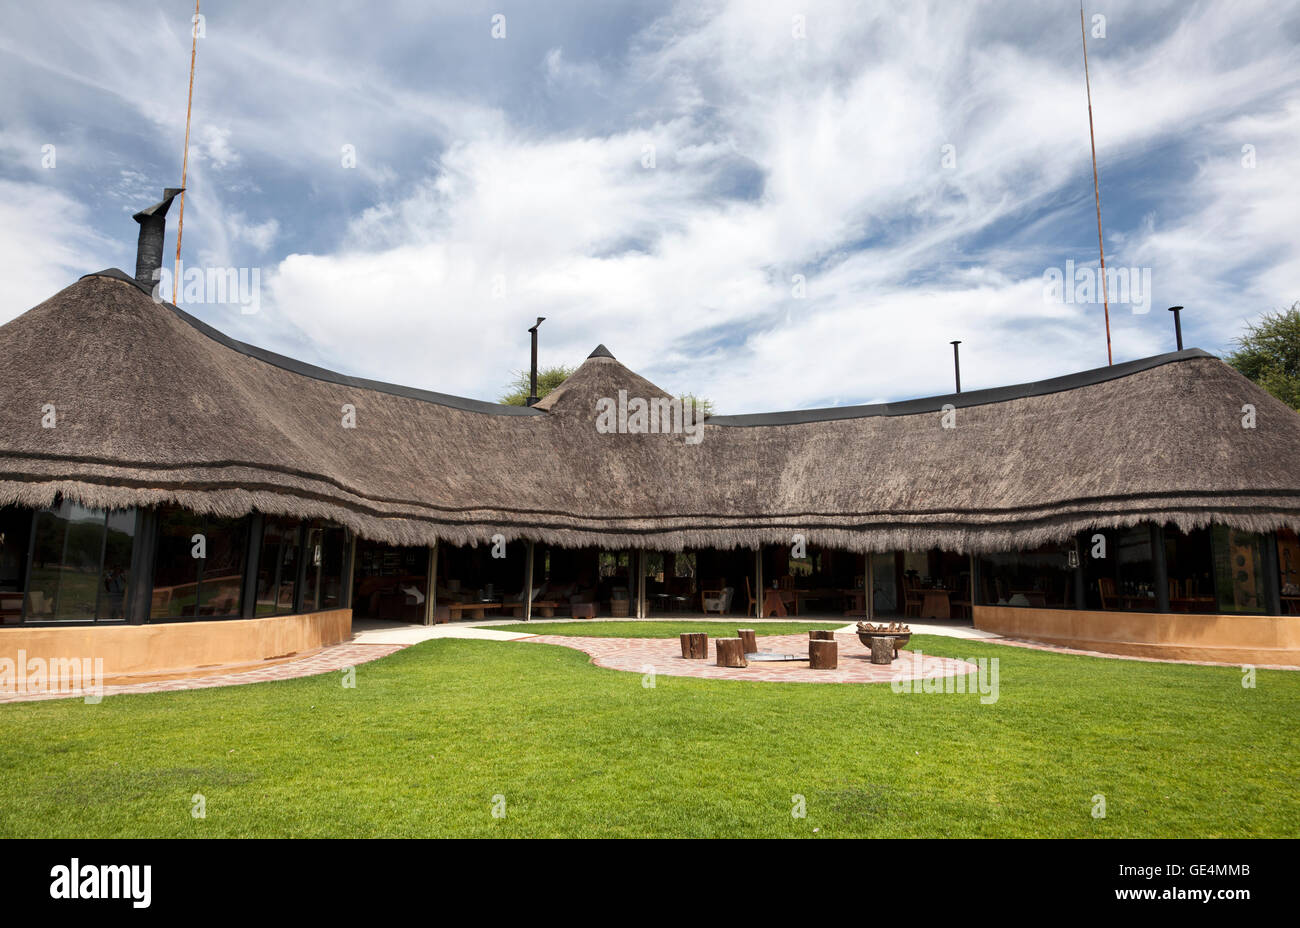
132	653
1234	639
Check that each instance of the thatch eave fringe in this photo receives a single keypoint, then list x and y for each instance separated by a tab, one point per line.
879	537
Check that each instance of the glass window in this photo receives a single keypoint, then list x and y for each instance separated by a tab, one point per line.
1190	565
71	564
1042	578
326	553
15	535
222	571
186	586
392	582
118	545
277	568
176	569
334	564
1288	570
1125	578
1238	569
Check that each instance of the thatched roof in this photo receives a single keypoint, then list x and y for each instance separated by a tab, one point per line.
153	406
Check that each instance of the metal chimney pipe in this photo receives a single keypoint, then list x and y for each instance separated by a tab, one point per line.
532	380
956	363
1178	325
153	228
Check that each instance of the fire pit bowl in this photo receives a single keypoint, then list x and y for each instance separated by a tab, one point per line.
899	634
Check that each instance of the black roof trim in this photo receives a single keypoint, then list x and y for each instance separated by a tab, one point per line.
792	417
319	373
962	400
601	352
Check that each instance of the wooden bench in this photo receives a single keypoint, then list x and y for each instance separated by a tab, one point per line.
542	607
456	611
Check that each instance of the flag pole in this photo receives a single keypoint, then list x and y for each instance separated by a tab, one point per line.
1096	187
185	163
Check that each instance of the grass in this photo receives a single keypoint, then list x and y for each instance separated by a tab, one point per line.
429	736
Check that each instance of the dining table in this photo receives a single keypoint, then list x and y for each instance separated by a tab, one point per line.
774	602
1192	603
1035	598
855	602
936	604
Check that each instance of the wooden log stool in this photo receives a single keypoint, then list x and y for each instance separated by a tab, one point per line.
695	646
731	652
823	654
821	635
749	638
882	650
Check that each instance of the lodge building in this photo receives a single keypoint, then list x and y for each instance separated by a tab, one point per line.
173	498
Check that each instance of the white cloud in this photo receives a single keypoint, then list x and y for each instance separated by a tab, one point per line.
774	156
37	220
214	145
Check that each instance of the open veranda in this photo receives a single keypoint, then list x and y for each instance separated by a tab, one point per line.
515	738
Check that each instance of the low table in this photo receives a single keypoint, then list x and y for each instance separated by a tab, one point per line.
773	656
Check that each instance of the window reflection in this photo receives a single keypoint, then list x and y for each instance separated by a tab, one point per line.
189	586
277	569
80	561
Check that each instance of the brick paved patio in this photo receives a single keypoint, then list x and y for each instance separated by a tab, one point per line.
329	659
664	656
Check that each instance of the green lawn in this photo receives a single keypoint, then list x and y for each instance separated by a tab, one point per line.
431	734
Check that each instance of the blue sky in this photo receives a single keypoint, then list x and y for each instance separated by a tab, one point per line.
498	179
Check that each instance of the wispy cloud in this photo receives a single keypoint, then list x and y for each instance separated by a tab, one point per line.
768	207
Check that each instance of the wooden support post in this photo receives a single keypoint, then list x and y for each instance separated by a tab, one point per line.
640	584
1159	567
749	639
143	553
350	574
823	654
1080	589
431	581
528	585
695	646
759	592
869	588
300	591
731	652
1272	575
882	650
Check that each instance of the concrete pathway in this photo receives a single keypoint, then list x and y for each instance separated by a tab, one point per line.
392	633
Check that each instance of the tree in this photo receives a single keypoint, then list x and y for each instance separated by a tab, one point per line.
703	405
548	378
1269	354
